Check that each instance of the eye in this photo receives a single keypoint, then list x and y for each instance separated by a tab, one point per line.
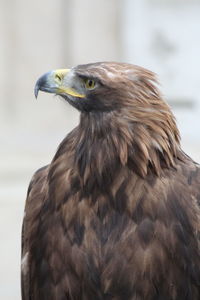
90	84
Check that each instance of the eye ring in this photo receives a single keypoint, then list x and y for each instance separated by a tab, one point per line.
90	84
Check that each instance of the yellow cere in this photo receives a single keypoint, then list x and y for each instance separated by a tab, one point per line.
58	77
59	74
62	72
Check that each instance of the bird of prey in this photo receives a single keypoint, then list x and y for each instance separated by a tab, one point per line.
116	213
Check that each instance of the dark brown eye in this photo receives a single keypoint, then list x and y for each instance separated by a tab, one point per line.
90	84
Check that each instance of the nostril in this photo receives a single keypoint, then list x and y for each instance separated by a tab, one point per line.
58	78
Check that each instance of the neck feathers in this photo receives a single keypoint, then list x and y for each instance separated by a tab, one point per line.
105	142
110	139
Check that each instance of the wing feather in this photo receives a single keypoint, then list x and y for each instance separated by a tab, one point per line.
35	197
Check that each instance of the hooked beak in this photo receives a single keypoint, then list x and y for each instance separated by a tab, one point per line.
56	82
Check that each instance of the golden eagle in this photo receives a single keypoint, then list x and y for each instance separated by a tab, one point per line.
116	213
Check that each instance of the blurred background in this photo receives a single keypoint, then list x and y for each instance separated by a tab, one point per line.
37	36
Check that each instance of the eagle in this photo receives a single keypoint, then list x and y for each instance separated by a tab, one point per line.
116	214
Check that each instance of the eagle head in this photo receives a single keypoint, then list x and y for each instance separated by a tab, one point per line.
104	86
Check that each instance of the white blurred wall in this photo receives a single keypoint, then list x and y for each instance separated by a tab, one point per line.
37	36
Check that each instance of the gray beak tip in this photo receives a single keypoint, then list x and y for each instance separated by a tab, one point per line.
36	91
